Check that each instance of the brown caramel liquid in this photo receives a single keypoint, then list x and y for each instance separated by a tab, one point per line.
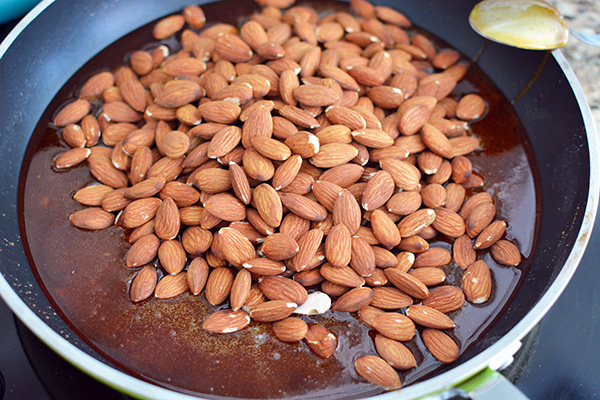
161	341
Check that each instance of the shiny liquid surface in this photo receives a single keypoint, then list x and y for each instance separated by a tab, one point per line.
83	272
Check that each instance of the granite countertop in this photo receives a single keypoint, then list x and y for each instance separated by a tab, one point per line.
584	16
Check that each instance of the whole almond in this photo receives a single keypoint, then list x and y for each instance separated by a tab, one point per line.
347	211
308	245
273	310
376	370
239	249
429	317
321	341
280	288
143	284
268	204
442	346
264	266
433	257
353	300
172	256
490	235
463	252
240	289
338	246
506	253
290	329
197	274
395	353
390	298
171	286
303	207
394	326
445	299
226	321
407	283
218	285
477	282
279	246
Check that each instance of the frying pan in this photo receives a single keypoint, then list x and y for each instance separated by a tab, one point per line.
56	38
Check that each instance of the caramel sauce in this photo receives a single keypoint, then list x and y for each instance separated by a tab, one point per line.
162	341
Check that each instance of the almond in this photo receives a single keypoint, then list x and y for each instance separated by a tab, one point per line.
429	317
463	252
394	326
264	266
477	282
273	310
338	246
280	288
343	276
433	257
490	235
171	286
308	245
268	204
290	329
303	207
442	346
445	299
172	256
240	289
321	341
505	253
279	246
395	353
196	240
226	321
411	224
377	371
390	298
407	283
239	249
353	300
92	218
197	274
143	284
384	229
347	211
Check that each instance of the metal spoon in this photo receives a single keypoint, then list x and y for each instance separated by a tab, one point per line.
527	24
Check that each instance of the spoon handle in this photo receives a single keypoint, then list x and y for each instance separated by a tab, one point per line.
591	39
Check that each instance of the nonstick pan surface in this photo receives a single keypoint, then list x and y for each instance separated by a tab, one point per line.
57	38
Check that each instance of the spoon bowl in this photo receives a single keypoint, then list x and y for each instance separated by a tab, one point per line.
527	24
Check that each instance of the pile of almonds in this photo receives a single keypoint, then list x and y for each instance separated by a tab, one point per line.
290	162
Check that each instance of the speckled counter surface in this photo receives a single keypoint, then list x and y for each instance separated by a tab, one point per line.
584	16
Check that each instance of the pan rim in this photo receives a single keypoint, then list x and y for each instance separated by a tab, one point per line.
137	387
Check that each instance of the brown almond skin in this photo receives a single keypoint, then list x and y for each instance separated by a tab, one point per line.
376	370
321	341
143	284
390	298
394	326
338	246
218	285
171	286
197	274
354	300
477	282
226	321
94	218
280	288
240	289
407	283
143	251
290	329
395	353
442	346
463	252
506	253
273	310
490	235
445	299
429	317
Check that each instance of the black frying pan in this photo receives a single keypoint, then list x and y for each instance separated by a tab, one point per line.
56	39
